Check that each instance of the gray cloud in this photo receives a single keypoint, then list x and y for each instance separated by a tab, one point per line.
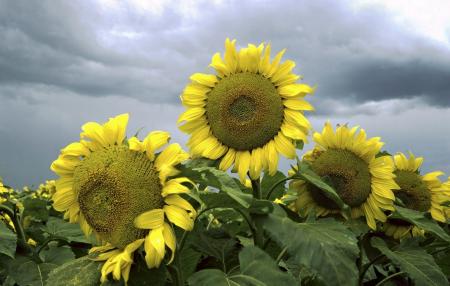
65	63
361	56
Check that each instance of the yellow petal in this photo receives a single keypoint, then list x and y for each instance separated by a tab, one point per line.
204	79
220	67
152	258
175	186
191	114
150	219
157	240
297	104
294	90
256	163
284	146
227	160
271	157
75	149
283	70
231	57
94	131
64	166
170	240
243	163
63	199
176	200
135	144
179	217
154	141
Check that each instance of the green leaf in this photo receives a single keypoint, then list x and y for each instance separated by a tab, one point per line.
140	275
218	245
8	241
416	262
442	259
189	259
261	207
27	272
307	174
210	176
268	182
210	277
57	227
35	208
257	268
57	255
299	144
420	220
81	271
325	246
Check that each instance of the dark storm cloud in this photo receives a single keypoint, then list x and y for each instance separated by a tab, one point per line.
385	79
352	55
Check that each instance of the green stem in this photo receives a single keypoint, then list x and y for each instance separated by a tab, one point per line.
18	226
174	274
47	241
258	237
180	278
274	186
256	186
390	277
280	256
367	266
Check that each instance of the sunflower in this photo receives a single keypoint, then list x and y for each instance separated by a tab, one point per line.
121	191
347	160
3	191
45	191
247	113
424	193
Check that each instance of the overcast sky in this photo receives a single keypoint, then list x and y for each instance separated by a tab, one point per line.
63	63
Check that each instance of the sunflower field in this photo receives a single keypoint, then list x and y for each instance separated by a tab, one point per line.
138	210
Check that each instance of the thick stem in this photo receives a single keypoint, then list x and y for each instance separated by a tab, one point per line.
18	226
258	237
180	278
389	277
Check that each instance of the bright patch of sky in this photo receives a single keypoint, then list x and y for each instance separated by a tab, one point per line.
430	18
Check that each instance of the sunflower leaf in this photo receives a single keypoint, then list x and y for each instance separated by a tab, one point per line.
81	271
325	246
210	176
8	241
25	271
256	268
268	182
417	263
306	173
420	220
57	227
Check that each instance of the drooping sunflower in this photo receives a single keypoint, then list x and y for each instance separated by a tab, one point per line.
348	161
121	191
423	193
247	113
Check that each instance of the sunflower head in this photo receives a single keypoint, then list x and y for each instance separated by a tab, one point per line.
424	193
347	161
123	192
247	113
